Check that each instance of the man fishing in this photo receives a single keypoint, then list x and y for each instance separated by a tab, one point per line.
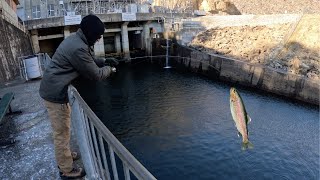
240	117
74	57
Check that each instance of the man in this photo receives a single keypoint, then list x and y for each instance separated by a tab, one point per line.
74	57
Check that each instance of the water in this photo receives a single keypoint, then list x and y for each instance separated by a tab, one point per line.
179	126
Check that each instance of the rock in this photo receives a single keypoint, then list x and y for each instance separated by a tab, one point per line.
313	75
278	65
296	63
304	66
261	45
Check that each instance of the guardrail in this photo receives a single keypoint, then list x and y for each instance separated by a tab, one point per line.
81	7
93	135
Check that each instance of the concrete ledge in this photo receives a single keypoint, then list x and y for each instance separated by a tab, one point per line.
54	36
106	18
257	76
209	22
44	23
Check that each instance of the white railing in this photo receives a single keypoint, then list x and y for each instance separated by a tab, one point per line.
92	135
81	7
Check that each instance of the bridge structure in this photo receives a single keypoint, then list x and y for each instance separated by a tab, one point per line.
130	25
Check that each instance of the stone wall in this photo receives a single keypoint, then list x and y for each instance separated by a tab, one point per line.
256	76
13	44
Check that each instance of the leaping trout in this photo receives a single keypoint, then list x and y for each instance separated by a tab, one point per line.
240	117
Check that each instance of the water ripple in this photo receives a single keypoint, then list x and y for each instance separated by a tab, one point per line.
180	126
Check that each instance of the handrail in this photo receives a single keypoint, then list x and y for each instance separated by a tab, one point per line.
81	7
88	127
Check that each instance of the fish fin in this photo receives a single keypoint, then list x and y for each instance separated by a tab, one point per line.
246	145
249	118
239	134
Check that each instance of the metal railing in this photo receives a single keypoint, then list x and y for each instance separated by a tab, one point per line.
92	135
81	7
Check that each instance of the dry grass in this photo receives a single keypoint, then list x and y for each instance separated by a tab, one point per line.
291	47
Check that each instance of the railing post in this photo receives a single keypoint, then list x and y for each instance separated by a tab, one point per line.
86	124
79	129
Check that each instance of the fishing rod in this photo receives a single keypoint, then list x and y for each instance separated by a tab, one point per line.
161	56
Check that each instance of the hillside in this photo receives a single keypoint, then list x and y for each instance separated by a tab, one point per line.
293	48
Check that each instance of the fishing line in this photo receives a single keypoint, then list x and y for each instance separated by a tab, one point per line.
179	57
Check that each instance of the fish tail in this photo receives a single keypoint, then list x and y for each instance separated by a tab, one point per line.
246	145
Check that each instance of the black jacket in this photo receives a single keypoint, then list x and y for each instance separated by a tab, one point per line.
73	57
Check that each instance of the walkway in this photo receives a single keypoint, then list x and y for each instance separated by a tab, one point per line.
32	156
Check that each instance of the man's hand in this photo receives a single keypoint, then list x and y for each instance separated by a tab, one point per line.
111	62
113	69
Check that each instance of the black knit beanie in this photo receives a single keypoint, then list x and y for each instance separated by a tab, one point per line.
92	27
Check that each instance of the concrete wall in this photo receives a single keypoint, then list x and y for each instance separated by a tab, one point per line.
209	22
238	72
106	18
14	43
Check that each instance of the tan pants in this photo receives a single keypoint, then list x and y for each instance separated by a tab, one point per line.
59	115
